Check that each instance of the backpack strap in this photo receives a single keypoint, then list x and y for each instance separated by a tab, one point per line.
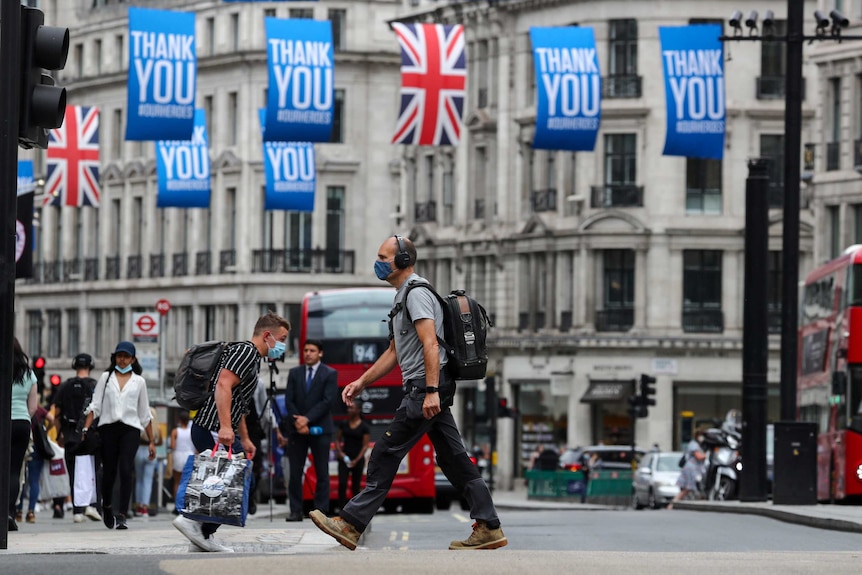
406	317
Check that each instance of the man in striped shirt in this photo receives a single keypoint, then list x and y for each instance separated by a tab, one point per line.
223	414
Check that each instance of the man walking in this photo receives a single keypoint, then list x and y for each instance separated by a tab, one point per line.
70	399
223	414
311	392
429	391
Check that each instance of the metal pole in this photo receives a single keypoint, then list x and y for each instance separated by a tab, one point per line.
163	330
10	71
755	334
790	240
491	404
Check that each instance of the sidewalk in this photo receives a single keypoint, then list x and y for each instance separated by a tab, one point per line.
834	517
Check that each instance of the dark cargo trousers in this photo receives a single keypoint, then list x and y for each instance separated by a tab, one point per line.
403	433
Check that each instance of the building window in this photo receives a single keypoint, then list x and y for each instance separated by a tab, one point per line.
618	292
773	291
34	333
210	36
623	80
772	148
297	231
230	200
338	17
98	49
337	136
857	216
335	210
703	186
233	118
833	146
98	333
701	288
79	59
74	332
834	231
121	323
208	117
480	208
429	174
773	66
482	75
448	192
302	13
55	332
269	12
620	159
209	322
119	47
234	30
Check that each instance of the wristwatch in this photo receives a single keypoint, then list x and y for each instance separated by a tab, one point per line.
85	430
431	389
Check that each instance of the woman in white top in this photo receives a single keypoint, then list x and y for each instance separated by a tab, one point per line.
121	404
181	448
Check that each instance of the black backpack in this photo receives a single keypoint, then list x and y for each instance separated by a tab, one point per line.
77	394
193	382
465	328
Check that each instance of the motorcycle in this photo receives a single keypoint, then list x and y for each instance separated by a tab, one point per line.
723	463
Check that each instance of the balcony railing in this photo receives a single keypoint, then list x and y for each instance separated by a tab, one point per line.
833	156
157	265
51	272
303	261
615	319
703	321
622	86
112	268
134	267
72	270
426	212
773	87
91	269
479	209
617	196
203	264
544	200
226	259
180	265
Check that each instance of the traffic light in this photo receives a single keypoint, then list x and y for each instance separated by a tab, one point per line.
42	104
503	409
55	379
647	389
39	372
637	409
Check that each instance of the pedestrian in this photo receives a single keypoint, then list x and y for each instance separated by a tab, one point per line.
692	471
70	400
429	392
121	405
312	390
25	400
35	462
351	443
145	468
222	417
181	448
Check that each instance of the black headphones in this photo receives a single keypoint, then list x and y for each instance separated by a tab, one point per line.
83	360
402	258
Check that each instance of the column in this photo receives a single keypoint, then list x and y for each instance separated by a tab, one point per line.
640	288
551	290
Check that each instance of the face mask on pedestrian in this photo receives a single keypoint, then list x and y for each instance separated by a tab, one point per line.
277	351
123	370
700	439
382	270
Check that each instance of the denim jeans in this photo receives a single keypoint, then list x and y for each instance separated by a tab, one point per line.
144	470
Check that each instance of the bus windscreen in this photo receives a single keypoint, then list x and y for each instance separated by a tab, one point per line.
353	324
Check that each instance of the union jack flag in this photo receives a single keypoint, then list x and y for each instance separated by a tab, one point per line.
433	79
73	160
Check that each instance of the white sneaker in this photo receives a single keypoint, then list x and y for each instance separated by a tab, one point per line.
92	513
78	518
192	530
214	546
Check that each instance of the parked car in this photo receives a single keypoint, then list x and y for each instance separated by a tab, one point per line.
654	483
599	457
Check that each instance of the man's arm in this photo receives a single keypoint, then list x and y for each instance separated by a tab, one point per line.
431	354
247	444
381	367
227	380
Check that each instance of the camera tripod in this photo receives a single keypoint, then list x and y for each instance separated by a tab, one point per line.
268	412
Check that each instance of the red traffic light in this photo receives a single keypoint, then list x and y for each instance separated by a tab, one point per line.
39	363
55	379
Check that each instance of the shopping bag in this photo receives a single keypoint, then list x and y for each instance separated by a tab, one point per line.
84	490
214	488
41	443
54	481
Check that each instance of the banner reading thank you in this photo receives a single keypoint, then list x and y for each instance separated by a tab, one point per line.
569	86
184	169
301	93
291	174
162	75
693	63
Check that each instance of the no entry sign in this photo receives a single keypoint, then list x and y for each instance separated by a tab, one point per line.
163	306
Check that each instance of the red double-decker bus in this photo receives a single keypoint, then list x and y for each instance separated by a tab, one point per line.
829	391
352	323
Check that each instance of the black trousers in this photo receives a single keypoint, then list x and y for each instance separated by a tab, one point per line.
20	440
355	475
119	445
403	433
297	450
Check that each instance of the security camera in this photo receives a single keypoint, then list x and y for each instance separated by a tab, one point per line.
751	21
838	19
735	19
822	21
768	19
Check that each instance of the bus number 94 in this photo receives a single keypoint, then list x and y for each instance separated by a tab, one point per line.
364	353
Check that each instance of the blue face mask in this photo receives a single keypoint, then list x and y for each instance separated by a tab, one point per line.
277	351
382	270
124	370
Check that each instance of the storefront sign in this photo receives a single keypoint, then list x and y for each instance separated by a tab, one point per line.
665	366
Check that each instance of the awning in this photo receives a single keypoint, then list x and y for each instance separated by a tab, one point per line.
607	391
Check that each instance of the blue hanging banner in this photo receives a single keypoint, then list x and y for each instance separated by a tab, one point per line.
569	86
290	173
183	168
24	220
162	75
301	93
26	181
693	62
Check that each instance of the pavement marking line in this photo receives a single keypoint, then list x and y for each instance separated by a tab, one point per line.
405	536
461	518
393	536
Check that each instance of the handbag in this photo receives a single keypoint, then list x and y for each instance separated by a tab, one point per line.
80	444
682	461
54	481
214	488
41	444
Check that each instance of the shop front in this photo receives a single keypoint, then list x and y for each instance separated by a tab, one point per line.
609	418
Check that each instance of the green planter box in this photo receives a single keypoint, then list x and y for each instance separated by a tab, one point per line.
555	485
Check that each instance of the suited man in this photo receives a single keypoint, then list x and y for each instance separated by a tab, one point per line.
312	390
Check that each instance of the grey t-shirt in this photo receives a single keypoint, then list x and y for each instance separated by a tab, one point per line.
422	305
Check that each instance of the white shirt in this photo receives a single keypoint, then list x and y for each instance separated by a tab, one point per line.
130	406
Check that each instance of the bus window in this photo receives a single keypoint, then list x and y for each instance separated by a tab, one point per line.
854	289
